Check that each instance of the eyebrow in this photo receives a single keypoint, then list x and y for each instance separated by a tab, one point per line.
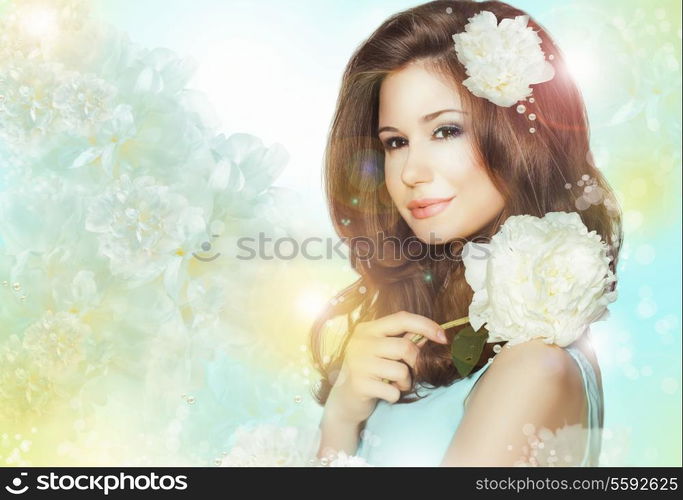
425	119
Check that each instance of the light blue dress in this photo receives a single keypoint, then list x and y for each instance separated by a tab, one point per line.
419	433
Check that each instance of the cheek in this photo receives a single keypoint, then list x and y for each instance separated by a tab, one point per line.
393	183
479	192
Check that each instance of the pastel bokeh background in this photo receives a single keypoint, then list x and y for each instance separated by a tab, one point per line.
119	346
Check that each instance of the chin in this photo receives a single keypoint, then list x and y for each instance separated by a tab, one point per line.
434	235
438	232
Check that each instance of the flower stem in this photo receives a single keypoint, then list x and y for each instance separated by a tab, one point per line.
456	322
417	337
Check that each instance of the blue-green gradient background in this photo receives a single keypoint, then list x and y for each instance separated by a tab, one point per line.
273	69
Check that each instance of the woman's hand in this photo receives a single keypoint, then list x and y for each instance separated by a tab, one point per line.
377	350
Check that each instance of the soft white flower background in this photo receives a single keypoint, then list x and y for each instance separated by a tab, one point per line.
119	159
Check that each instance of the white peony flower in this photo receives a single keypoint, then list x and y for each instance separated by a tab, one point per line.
26	109
112	137
56	341
145	229
40	100
501	60
268	445
84	102
344	460
244	172
542	278
48	364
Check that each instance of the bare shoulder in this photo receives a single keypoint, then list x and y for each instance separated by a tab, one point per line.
534	356
545	370
528	384
527	387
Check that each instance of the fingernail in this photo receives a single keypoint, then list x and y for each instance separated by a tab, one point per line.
442	335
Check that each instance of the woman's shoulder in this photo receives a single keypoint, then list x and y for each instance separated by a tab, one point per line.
535	386
533	371
533	358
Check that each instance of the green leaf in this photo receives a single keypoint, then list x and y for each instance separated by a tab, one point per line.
467	347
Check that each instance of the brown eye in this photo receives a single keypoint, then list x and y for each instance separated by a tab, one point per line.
393	143
450	131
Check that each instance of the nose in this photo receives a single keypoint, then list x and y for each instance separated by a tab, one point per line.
416	168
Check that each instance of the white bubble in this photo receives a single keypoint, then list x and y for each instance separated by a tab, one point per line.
646	308
217	227
666	324
633	219
631	372
669	385
645	254
528	429
594	195
623	355
582	203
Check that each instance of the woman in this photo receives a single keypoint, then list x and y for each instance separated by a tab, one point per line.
419	153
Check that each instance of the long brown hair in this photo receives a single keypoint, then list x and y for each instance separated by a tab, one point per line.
533	172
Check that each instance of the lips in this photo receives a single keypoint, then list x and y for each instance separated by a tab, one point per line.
428	207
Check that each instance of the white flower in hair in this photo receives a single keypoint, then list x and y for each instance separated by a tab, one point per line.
540	277
501	60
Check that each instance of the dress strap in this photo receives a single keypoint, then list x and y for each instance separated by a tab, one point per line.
472	379
595	406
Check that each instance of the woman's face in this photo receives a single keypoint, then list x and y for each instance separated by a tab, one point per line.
431	173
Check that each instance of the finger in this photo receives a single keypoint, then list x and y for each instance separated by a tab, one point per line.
382	390
391	370
404	385
416	338
398	349
403	321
